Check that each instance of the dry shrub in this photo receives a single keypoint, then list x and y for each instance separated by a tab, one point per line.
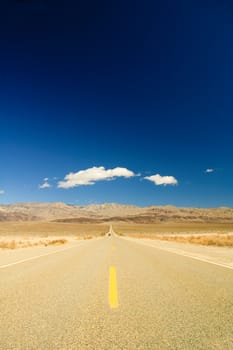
212	240
85	237
27	244
8	245
56	242
171	228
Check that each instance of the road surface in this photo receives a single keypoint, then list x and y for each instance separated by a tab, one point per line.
112	293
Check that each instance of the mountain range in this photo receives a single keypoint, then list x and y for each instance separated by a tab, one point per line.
107	212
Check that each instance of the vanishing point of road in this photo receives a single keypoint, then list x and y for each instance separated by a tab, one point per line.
111	293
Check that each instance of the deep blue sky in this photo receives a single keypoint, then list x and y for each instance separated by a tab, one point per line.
141	85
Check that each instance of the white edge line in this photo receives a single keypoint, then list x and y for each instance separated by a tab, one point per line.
39	256
186	255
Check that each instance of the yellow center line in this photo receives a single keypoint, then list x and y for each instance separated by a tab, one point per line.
113	297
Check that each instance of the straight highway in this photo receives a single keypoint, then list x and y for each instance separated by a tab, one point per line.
112	293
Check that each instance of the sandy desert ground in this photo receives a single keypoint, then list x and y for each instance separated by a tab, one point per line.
28	234
42	224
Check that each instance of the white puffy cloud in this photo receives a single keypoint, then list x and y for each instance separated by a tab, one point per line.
46	179
45	185
2	191
92	175
209	170
162	180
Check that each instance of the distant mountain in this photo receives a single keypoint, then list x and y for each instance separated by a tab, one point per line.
111	212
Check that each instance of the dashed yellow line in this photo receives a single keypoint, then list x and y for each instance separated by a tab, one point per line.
113	297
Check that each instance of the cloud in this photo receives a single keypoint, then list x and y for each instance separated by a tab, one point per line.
92	175
162	180
45	185
46	179
2	191
209	170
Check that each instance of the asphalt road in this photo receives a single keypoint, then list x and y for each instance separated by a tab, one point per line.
112	293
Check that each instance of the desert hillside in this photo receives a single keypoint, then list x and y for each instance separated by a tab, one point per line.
113	212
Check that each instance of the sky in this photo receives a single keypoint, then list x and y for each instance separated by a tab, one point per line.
117	101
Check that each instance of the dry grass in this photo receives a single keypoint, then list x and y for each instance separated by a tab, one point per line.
87	237
31	234
26	243
129	229
56	241
204	234
210	240
8	244
46	229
